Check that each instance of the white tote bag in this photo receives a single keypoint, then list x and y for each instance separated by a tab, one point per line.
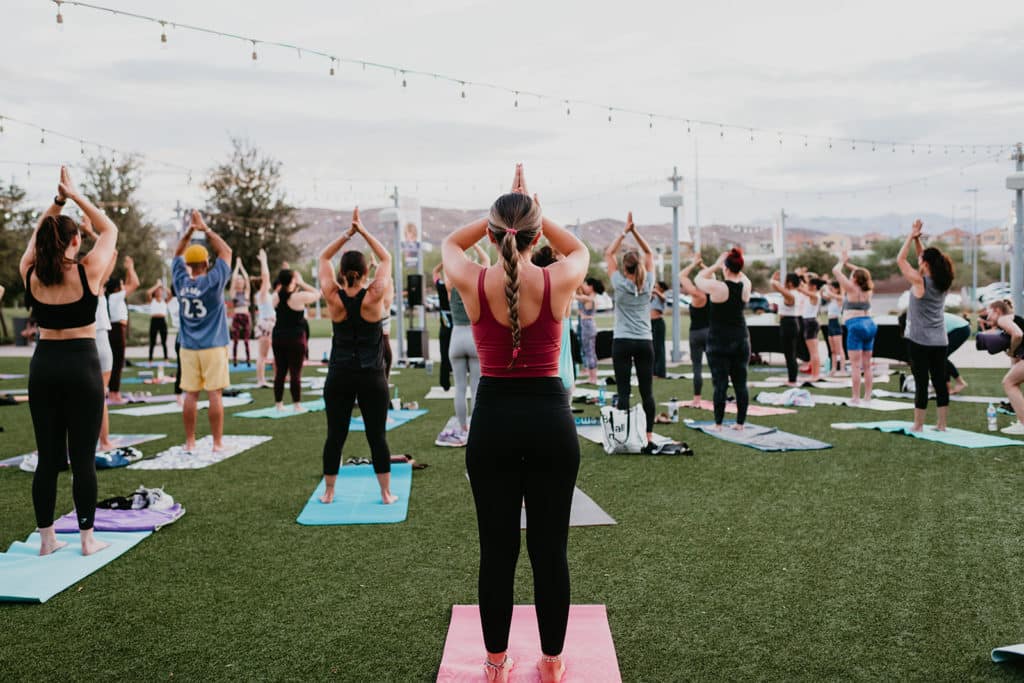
623	429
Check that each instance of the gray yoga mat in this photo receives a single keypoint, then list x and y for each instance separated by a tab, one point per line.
882	393
584	511
761	438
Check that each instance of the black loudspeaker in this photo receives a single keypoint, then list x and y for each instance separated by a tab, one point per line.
603	344
414	286
417	344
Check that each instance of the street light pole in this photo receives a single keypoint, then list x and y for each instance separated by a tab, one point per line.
782	244
1016	182
974	249
674	199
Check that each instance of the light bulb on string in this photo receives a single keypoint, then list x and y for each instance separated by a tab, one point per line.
688	126
60	17
650	121
609	114
515	99
780	137
81	147
830	143
42	136
254	56
751	134
853	145
872	147
721	132
333	60
568	110
404	84
1	124
163	35
463	89
805	141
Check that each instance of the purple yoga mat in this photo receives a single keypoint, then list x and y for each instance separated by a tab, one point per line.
123	520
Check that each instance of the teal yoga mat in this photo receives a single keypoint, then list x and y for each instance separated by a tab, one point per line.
357	498
761	438
396	418
274	414
26	577
950	437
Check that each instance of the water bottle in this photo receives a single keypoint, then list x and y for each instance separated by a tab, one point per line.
429	365
673	409
600	396
993	422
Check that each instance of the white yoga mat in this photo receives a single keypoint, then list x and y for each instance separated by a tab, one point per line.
177	458
172	407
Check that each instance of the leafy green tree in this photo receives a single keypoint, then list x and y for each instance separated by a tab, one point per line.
814	258
16	222
113	184
246	206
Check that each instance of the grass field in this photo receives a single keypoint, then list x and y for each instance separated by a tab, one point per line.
884	558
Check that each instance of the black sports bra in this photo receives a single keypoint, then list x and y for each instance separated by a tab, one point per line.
63	316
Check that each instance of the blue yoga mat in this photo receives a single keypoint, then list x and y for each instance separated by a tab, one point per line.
26	577
357	498
396	418
950	437
761	438
274	414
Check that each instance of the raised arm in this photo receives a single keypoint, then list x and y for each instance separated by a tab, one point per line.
245	276
644	246
193	226
265	273
568	273
378	248
131	278
787	295
908	271
611	251
325	268
706	282
220	247
304	294
482	255
460	270
687	284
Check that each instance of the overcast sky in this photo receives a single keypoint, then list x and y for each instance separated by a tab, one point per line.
872	70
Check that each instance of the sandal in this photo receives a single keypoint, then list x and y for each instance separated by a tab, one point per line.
662	419
493	671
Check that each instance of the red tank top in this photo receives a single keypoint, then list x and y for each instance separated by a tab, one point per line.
540	342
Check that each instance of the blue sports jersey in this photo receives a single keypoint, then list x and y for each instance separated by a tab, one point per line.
203	318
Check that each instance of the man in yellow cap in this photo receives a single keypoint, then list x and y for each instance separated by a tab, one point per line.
203	327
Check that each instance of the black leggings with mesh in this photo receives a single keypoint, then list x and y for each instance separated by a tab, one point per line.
342	390
925	362
508	464
65	397
728	356
157	328
626	353
792	336
289	355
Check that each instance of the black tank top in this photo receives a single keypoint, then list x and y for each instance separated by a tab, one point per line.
357	344
699	317
290	324
63	316
729	313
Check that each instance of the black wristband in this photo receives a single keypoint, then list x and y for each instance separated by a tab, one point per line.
58	201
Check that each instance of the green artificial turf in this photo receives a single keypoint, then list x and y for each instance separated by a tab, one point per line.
884	558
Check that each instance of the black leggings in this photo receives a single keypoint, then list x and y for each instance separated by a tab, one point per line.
698	350
789	330
341	391
177	357
118	335
626	352
540	465
289	353
65	397
157	328
728	356
388	356
928	361
658	339
956	339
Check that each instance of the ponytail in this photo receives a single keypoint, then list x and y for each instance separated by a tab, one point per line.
53	237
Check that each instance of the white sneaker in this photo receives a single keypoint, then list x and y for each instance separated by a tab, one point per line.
29	463
452	438
1017	429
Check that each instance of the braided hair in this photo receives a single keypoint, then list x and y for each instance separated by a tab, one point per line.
514	222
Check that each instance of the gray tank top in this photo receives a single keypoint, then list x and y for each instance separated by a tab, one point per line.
926	322
459	315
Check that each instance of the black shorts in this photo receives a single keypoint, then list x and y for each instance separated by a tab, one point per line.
811	328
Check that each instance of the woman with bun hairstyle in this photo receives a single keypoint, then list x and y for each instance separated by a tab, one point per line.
699	322
516	309
728	338
1000	315
65	385
861	329
586	300
290	298
926	324
833	294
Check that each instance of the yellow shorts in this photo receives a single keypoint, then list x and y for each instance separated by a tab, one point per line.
204	369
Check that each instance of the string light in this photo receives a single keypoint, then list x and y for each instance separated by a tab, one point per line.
254	56
60	17
42	136
332	65
403	79
463	89
650	121
568	111
515	100
163	33
609	114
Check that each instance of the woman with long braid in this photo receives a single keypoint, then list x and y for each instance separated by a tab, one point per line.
356	373
65	387
632	343
516	311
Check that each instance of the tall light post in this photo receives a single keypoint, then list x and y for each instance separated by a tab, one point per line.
674	199
1016	182
393	215
974	249
782	243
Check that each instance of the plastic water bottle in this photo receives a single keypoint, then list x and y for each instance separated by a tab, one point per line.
600	396
673	409
993	422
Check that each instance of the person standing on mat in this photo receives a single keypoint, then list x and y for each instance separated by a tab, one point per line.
157	318
834	296
356	373
444	314
117	291
1000	315
65	386
465	364
728	338
103	350
926	324
204	327
958	330
790	320
811	290
586	300
658	327
291	296
860	327
241	318
698	327
632	340
266	317
517	309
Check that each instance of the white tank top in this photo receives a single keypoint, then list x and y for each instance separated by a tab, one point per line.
265	310
158	308
118	307
810	310
102	316
835	309
792	310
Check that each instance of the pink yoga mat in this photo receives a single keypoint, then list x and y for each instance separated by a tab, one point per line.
589	651
753	410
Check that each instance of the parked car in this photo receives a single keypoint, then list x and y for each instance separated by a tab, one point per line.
432	302
994	292
603	303
759	304
954	302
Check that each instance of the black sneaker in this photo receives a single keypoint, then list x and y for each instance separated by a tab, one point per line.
649	449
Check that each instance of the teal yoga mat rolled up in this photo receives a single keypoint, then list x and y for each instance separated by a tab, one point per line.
26	577
950	437
357	498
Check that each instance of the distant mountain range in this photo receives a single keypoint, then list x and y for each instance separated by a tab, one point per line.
325	224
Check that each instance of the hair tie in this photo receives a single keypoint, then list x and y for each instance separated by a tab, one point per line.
515	354
511	231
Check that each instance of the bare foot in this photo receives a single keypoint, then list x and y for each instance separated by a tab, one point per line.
716	427
389	498
190	446
551	669
91	546
328	496
739	427
106	446
279	407
917	428
46	548
959	386
218	447
299	408
941	427
498	668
